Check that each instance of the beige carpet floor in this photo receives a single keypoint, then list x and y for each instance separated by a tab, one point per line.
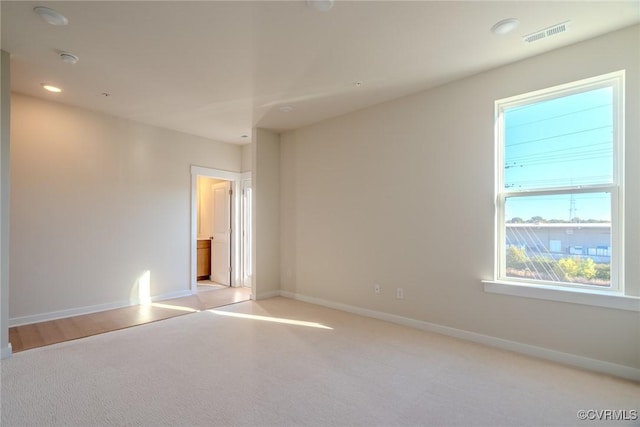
281	362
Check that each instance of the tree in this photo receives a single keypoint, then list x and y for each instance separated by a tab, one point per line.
516	220
587	269
569	266
557	221
603	272
536	219
516	257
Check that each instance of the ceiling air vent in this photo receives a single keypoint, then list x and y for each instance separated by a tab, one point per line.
547	32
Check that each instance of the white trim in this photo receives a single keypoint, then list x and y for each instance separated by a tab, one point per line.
564	294
234	178
266	295
565	89
615	81
583	189
215	173
171	295
6	352
78	311
526	349
245	220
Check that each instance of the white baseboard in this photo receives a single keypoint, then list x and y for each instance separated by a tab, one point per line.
265	295
171	295
78	311
6	352
517	347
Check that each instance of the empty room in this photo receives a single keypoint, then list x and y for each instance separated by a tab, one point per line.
320	212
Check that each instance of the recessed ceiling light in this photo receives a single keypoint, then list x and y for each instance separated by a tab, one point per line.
321	5
286	108
53	17
51	88
69	58
505	26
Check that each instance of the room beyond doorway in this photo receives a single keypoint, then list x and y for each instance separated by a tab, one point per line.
214	231
218	228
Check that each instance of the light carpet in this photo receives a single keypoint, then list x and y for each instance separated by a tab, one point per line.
281	362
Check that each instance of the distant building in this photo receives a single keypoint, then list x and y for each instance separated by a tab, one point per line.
559	240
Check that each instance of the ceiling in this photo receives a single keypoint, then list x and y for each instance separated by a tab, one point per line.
217	69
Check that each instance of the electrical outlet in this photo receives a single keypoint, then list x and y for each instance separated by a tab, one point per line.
399	293
376	289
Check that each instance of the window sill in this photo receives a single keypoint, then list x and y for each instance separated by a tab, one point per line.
594	298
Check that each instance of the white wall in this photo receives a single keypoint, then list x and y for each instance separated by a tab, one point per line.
5	118
266	213
95	202
401	195
246	158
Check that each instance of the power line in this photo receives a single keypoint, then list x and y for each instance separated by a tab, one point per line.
554	117
546	152
557	136
591	155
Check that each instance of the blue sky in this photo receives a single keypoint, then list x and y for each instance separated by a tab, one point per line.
556	143
585	206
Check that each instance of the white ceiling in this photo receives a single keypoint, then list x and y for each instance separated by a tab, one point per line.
217	69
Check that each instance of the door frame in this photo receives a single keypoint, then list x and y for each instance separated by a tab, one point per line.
235	179
246	274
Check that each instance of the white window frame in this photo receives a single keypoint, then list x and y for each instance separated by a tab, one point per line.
616	189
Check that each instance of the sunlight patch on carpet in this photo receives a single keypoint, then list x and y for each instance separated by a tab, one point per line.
270	319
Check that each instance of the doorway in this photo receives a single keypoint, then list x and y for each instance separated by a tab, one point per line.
219	227
214	233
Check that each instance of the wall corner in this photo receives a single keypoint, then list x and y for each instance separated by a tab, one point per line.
265	165
5	134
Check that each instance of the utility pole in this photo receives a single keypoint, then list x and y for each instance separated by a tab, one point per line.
572	208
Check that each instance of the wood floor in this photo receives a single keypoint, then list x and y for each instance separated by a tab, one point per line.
70	328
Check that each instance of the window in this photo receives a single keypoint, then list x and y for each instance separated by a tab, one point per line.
559	185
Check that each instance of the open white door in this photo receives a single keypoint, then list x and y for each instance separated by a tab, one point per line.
221	242
246	233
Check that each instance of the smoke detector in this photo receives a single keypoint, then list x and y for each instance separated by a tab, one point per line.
505	26
68	58
51	16
545	33
320	5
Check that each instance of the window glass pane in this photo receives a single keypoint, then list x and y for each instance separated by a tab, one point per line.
561	142
560	208
559	238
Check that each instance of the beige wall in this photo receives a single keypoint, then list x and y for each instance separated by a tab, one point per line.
401	195
5	118
246	158
96	201
266	213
